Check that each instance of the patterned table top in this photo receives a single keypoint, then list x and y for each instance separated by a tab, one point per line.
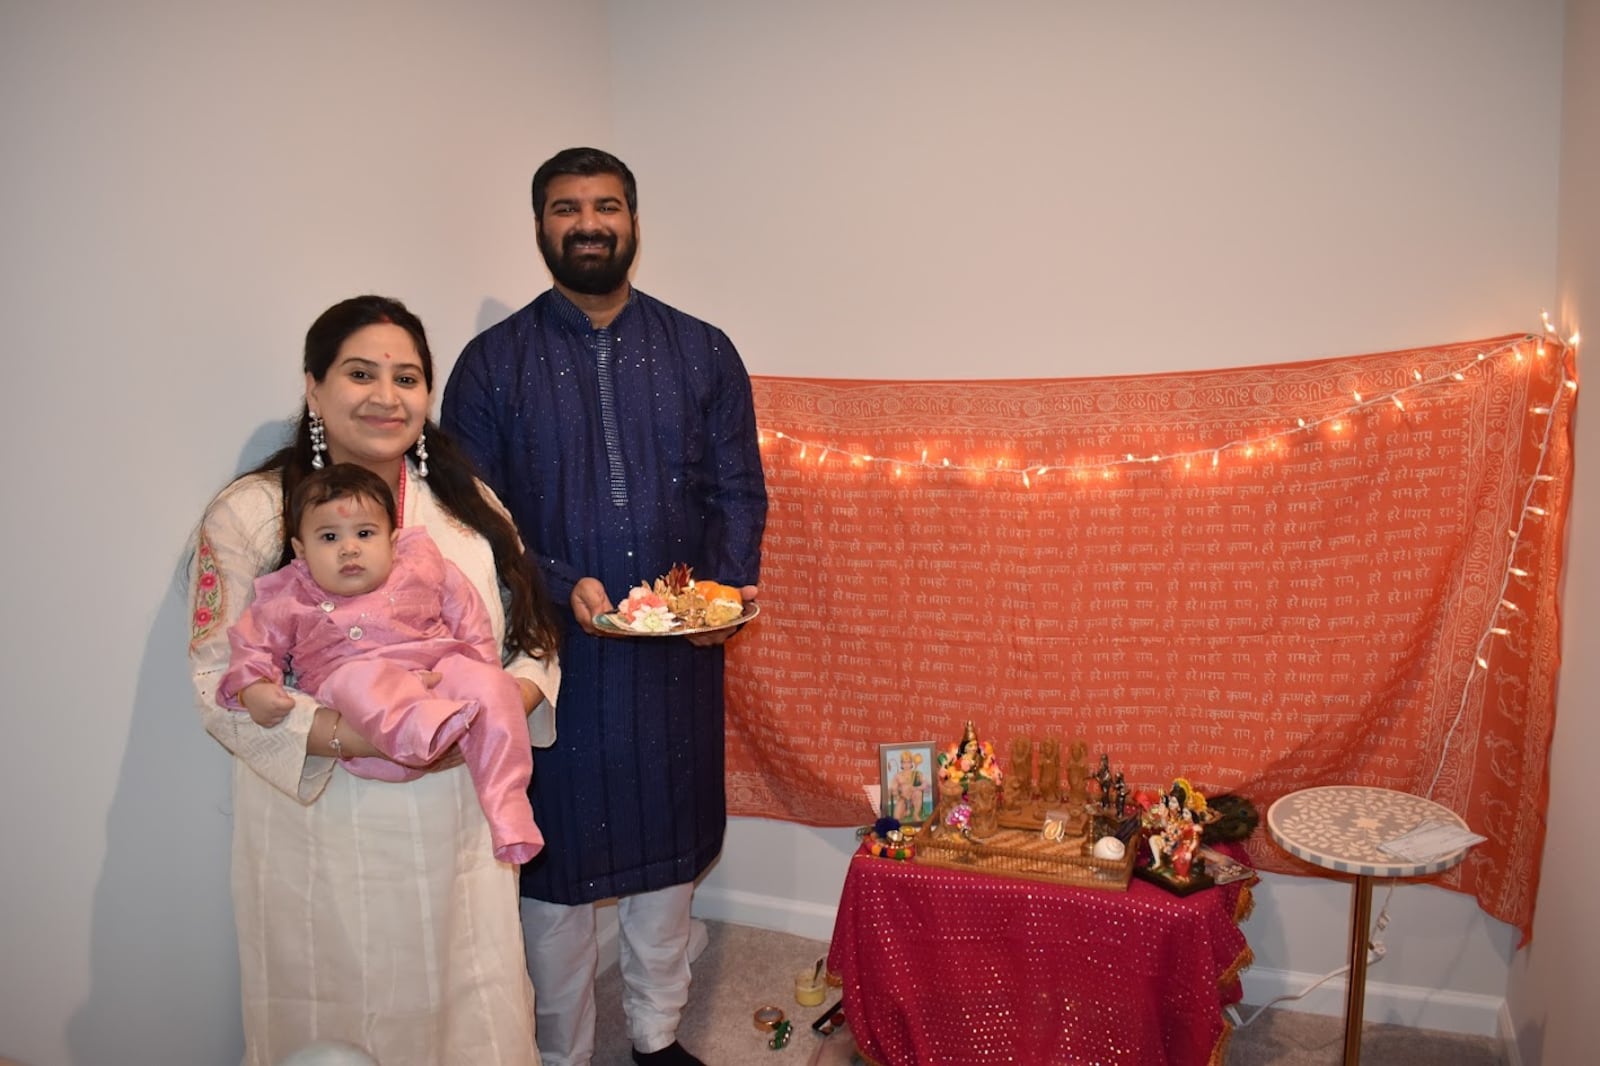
1340	827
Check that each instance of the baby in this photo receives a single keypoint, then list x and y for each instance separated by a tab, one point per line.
362	608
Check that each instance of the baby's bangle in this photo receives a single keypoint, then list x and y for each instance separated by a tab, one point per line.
333	738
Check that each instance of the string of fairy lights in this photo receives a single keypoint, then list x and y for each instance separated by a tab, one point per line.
1566	387
1273	441
1211	455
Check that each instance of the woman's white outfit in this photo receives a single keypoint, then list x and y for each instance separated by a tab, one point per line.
368	912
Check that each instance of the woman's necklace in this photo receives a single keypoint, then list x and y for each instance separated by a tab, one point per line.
400	498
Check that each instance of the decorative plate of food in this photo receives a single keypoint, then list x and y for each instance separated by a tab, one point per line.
676	605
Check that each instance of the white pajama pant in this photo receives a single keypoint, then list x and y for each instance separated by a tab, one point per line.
563	957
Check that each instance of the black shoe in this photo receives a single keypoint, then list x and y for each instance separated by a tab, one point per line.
671	1055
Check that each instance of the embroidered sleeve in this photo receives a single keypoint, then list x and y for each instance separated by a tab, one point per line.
239	541
207	604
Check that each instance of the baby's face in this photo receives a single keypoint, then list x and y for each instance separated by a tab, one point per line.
348	544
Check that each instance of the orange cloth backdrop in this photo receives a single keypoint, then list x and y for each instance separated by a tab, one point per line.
1262	579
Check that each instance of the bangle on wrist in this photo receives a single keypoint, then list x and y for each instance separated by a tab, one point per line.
333	738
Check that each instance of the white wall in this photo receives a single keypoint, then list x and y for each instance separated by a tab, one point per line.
930	189
185	186
1553	983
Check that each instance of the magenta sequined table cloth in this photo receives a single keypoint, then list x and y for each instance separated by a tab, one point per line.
944	966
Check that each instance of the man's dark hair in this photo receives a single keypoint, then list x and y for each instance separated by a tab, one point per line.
583	163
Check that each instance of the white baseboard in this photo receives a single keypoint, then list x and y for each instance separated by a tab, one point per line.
1508	1037
795	917
1411	1005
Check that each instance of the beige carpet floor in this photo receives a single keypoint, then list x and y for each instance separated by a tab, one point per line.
743	968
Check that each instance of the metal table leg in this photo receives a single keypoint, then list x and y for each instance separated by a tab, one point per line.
1356	987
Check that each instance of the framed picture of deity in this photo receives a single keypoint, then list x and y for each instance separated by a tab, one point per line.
906	775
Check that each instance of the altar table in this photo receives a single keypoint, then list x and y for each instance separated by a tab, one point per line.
945	966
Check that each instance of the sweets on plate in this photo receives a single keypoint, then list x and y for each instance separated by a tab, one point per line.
677	601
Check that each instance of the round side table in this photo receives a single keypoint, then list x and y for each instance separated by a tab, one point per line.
1339	827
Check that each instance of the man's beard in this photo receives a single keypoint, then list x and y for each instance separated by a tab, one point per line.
590	274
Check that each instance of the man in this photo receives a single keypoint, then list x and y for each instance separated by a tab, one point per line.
621	434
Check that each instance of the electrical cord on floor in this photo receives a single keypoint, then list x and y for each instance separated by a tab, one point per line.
1376	950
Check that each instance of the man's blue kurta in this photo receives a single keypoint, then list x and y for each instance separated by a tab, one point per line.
620	452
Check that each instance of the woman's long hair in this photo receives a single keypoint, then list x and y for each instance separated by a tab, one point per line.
531	624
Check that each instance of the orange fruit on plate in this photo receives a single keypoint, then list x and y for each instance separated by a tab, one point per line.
711	592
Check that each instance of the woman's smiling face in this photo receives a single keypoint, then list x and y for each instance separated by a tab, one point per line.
373	400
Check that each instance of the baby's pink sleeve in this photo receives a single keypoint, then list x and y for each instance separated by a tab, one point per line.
257	651
466	616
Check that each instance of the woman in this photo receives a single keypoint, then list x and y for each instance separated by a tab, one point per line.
370	912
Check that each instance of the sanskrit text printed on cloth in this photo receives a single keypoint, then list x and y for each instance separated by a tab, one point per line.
1333	572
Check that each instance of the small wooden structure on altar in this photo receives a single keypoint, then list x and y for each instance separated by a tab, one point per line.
1028	799
1017	825
1028	855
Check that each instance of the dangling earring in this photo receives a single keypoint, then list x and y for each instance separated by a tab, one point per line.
422	453
319	441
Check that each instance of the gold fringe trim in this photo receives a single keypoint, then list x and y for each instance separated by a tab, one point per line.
1240	964
1244	906
1219	1053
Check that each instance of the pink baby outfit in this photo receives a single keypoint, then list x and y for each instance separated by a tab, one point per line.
359	655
